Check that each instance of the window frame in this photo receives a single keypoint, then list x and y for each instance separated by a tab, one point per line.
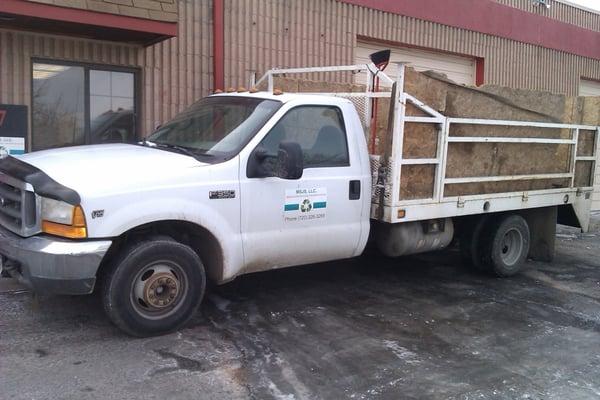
338	111
136	71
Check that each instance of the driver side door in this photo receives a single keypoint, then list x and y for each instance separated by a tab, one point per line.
315	218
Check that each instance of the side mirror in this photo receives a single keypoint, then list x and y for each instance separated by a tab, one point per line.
290	161
256	167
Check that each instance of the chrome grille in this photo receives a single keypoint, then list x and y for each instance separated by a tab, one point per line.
18	207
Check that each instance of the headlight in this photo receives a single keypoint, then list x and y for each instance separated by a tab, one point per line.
63	219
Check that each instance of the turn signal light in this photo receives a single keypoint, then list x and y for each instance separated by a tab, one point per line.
77	229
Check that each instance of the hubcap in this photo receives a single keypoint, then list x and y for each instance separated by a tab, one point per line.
161	289
158	289
512	247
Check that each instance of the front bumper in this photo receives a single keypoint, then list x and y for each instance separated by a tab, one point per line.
52	265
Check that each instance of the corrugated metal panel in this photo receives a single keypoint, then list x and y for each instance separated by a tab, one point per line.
174	73
559	11
261	34
178	71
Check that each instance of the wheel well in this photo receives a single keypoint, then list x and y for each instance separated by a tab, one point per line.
201	240
542	227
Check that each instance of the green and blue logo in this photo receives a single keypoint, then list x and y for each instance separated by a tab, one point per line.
305	206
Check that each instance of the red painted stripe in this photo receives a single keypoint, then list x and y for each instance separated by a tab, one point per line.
218	45
492	18
47	11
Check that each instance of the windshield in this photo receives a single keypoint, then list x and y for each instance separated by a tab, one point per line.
216	126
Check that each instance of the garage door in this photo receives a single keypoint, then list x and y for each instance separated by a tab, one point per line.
459	69
592	88
589	88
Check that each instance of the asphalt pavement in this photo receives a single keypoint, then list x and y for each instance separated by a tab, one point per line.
420	327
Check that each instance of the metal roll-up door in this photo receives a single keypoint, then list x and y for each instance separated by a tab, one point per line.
457	68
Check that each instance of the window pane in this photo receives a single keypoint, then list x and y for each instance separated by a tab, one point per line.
121	103
100	83
57	106
99	105
112	111
320	132
122	84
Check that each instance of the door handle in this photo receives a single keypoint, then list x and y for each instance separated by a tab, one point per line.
354	190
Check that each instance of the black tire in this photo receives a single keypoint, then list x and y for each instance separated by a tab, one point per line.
506	245
154	286
470	242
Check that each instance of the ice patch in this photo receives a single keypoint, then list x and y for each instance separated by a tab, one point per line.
402	353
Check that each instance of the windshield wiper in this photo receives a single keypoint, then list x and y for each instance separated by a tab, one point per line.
181	149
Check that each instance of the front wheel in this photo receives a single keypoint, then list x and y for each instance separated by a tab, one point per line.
155	287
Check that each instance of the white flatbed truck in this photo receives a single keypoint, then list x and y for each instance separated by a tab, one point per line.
244	182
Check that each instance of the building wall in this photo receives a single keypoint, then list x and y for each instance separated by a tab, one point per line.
559	11
260	34
174	72
159	10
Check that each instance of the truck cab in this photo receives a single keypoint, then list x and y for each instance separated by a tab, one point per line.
238	183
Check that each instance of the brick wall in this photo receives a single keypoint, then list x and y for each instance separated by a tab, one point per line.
159	10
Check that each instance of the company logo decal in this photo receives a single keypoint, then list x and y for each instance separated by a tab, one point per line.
305	204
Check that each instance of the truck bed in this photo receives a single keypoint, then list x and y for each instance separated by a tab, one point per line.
468	159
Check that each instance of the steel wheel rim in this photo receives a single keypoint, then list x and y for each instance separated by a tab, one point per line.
158	289
511	247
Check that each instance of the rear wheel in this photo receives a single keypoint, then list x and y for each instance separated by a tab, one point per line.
470	242
155	287
506	245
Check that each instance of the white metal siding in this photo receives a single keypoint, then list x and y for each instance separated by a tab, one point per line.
592	88
457	68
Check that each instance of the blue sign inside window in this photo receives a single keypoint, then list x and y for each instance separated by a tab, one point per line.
13	129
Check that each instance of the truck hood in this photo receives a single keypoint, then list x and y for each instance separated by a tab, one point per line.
110	168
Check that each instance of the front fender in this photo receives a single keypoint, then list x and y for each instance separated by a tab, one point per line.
221	218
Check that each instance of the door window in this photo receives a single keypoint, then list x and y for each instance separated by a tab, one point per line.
78	104
319	130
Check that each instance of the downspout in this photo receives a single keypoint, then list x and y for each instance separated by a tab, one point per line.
479	71
218	45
